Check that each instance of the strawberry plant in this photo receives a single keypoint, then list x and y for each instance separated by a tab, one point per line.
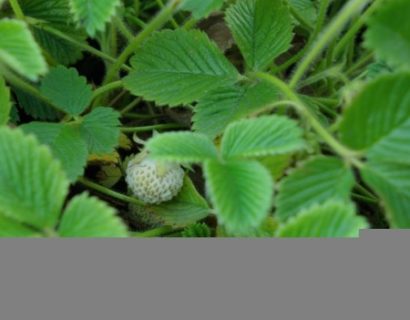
212	118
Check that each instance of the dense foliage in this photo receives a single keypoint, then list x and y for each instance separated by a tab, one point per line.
290	118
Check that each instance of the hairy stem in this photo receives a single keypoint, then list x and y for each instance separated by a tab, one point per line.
301	20
107	88
18	12
164	15
116	195
295	58
324	5
330	33
124	30
349	155
345	40
131	106
84	46
360	64
173	21
153	127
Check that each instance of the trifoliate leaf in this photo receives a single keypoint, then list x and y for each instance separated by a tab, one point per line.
36	108
391	181
5	103
10	228
183	147
201	9
224	105
32	183
262	29
66	89
178	67
377	121
101	131
242	193
330	220
19	51
389	32
93	14
316	181
66	144
186	208
88	217
268	135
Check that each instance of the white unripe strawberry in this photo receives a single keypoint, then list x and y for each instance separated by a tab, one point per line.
154	182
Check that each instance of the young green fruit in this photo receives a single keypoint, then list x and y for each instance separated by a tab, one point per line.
154	182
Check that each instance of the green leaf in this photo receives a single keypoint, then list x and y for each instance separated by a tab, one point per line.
183	147
101	131
54	11
35	107
60	50
19	51
5	103
267	229
55	14
262	29
268	135
378	122
201	9
66	144
32	184
316	181
394	147
224	105
277	164
178	67
186	208
242	193
378	113
93	14
376	69
391	181
66	89
14	115
88	217
389	32
10	228
306	9
197	230
330	220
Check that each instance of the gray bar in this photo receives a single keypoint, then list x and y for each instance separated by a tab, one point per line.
221	279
